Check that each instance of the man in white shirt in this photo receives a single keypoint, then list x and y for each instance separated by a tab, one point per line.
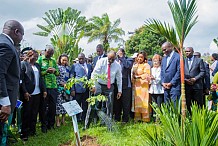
112	69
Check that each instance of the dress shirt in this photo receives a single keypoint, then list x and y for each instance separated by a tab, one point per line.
169	57
84	66
5	100
101	68
190	60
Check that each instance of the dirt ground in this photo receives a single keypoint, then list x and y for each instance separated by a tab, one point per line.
86	140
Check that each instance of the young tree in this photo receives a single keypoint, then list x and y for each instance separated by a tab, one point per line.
101	28
65	29
183	12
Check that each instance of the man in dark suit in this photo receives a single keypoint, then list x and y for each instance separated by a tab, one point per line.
11	36
206	80
100	53
124	102
194	75
170	73
79	70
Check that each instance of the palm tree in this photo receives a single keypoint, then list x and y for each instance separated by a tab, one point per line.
101	28
183	12
65	29
216	41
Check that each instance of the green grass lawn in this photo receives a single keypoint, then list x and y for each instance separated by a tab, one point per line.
126	135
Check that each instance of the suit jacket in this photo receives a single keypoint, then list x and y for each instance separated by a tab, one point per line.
28	82
77	72
171	73
9	70
96	59
196	71
126	66
207	76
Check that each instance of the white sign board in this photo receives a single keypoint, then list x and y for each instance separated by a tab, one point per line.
72	108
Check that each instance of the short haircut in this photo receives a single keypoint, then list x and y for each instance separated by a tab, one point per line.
100	46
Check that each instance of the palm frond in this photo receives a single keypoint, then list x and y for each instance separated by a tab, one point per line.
163	29
184	16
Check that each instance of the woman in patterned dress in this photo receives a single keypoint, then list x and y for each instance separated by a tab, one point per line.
63	94
140	80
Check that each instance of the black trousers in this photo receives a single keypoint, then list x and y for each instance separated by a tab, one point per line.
158	99
193	95
122	105
48	108
81	99
29	114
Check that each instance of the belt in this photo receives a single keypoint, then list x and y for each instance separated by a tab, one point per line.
104	84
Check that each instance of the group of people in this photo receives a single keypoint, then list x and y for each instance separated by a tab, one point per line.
131	84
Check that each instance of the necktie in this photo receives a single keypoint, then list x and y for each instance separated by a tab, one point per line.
99	57
83	65
109	76
189	63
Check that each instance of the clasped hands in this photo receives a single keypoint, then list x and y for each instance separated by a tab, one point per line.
190	81
167	85
51	70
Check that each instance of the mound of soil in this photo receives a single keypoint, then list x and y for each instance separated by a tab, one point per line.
86	140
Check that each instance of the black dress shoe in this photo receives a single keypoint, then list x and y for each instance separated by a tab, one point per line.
23	137
44	130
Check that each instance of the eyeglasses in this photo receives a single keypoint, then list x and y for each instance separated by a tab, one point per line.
187	51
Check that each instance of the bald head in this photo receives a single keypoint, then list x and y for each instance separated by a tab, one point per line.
15	30
111	56
167	48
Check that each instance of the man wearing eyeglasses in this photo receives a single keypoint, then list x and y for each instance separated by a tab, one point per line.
112	69
194	75
11	36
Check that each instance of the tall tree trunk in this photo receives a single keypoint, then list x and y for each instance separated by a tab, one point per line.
182	74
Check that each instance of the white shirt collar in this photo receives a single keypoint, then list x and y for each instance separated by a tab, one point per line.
171	54
8	37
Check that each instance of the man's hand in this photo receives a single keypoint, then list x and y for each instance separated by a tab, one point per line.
119	95
27	96
193	80
164	85
188	81
5	112
51	70
93	90
44	94
169	85
73	93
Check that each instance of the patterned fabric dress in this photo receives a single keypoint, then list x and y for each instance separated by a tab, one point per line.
140	102
63	95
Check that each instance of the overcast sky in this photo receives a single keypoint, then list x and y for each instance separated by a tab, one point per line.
132	13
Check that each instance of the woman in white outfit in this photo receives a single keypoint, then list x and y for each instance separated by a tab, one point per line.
156	90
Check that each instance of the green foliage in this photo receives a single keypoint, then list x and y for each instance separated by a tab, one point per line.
101	28
88	83
163	29
201	129
216	41
92	100
144	40
184	19
65	29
